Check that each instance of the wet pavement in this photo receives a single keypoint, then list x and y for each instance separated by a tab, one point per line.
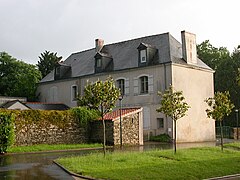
35	166
40	165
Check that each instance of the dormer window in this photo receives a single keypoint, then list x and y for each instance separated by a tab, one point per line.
98	62
143	56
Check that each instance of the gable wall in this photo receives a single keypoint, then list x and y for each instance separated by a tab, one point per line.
197	86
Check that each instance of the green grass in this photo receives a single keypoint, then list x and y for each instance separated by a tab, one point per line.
195	163
46	147
235	145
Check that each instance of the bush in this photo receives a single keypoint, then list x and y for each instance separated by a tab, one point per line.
6	131
161	138
84	115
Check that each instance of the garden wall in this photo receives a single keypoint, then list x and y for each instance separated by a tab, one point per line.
235	133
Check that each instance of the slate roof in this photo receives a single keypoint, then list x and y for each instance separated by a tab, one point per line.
125	55
8	104
46	106
125	112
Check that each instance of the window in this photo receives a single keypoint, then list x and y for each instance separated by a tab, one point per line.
160	123
121	86
99	62
143	56
58	70
74	93
144	84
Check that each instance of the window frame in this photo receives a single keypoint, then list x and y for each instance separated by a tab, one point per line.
160	123
143	54
121	85
144	84
99	62
74	92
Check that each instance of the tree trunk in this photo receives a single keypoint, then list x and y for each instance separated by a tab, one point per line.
104	133
221	135
175	136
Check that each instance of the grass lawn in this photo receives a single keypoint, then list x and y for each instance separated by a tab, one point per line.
46	147
235	145
195	163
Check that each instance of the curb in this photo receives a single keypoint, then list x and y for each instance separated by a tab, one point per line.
226	177
74	174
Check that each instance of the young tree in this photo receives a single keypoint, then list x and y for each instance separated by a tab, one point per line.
101	96
17	78
47	62
173	105
219	106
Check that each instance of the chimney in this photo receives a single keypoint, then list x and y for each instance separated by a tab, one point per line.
99	44
189	48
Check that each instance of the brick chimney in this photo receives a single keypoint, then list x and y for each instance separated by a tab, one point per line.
189	48
99	44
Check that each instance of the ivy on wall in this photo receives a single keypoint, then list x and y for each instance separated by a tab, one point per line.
6	131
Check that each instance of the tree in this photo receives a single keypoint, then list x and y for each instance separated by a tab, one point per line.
101	96
211	55
219	106
17	78
173	105
48	61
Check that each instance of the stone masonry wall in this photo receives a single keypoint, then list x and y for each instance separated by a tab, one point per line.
47	133
130	130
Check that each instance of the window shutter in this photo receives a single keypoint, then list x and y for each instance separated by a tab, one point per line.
150	83
135	86
127	86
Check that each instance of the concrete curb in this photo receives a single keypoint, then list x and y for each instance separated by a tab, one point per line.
233	176
74	174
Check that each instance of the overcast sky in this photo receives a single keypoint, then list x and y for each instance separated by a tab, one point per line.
29	27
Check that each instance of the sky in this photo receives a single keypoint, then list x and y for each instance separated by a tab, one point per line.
29	27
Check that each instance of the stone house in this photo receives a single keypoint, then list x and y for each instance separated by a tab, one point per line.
141	68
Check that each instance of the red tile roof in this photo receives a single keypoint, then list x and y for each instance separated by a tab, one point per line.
116	114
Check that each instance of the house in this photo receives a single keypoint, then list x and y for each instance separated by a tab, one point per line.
141	68
131	123
16	104
4	99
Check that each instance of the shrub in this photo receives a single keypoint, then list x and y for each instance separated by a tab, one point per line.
84	115
161	138
6	131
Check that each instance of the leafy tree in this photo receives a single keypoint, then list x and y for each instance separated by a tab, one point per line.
101	96
219	106
47	62
17	78
211	55
173	105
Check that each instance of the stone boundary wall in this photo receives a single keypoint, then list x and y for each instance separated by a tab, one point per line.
31	134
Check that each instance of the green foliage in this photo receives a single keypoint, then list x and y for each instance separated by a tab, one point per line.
211	55
47	62
173	104
227	72
100	96
84	115
17	78
161	138
6	131
220	106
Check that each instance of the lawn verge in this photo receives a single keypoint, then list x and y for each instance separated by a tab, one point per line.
195	163
54	147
